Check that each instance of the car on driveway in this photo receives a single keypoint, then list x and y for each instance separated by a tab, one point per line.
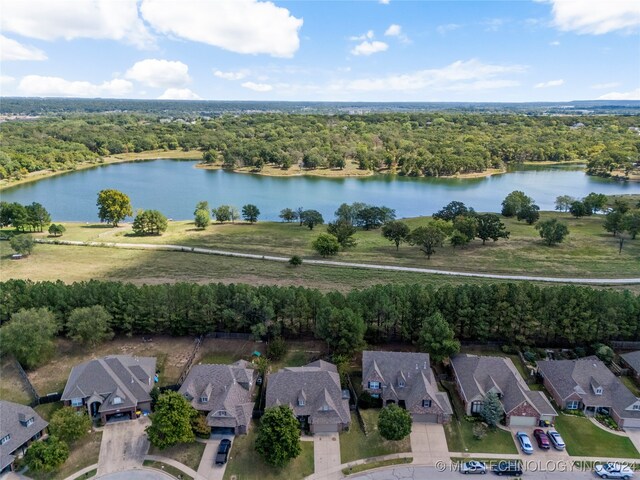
556	439
512	468
223	451
473	467
525	443
542	439
614	470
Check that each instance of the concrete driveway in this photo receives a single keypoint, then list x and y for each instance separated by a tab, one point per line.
538	454
123	447
428	443
326	452
634	435
207	468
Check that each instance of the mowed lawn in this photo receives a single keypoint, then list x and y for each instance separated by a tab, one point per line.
188	454
245	463
584	439
355	445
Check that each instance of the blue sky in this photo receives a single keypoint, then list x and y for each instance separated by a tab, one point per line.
389	50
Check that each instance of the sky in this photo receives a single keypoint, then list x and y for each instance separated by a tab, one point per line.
374	50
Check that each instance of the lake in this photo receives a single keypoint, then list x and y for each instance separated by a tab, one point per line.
174	188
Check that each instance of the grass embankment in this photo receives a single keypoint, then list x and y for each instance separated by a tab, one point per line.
584	439
188	454
370	466
355	445
169	469
245	463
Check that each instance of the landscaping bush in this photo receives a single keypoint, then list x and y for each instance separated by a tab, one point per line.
479	431
607	421
509	349
367	401
529	356
200	427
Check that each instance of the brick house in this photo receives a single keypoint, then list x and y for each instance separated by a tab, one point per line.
19	427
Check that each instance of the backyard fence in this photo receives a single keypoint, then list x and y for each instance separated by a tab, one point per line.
352	391
187	367
622	345
230	335
28	386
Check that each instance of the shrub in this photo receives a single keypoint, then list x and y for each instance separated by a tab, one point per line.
277	349
366	401
295	261
479	431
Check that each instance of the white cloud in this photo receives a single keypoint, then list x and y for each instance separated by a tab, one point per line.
591	17
369	48
69	19
6	80
179	94
555	43
239	75
394	30
39	86
159	73
13	50
449	27
241	26
456	76
493	24
632	95
384	2
365	36
258	87
603	86
550	83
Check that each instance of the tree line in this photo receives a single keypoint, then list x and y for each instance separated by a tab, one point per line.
520	313
413	144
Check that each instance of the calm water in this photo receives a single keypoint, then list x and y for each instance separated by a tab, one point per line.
174	187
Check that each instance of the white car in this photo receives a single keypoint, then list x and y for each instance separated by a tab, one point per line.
473	467
556	439
614	470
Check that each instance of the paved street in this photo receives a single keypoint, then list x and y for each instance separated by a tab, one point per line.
124	445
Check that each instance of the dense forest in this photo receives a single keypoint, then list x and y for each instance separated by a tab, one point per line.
413	144
517	313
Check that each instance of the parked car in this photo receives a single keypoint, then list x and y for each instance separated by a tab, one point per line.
223	452
512	468
614	470
542	439
525	443
473	467
556	439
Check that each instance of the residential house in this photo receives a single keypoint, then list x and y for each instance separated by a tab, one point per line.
407	380
631	360
314	394
224	393
587	384
113	387
477	376
19	427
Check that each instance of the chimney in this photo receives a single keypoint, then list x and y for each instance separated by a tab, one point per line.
22	417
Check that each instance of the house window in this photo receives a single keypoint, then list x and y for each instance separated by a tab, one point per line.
599	391
636	406
401	383
573	405
374	385
325	408
26	423
476	407
5	439
426	403
375	395
300	402
204	399
76	402
117	400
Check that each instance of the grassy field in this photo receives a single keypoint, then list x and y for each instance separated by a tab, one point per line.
631	384
188	454
355	445
246	464
584	439
12	387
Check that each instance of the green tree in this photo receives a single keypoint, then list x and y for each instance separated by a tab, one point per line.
394	423
396	232
150	222
37	216
514	202
47	455
202	219
326	244
69	425
234	213
492	410
458	239
277	349
171	421
604	353
428	238
563	203
595	202
113	206
288	215
552	231
620	205
223	213
311	218
295	261
491	227
614	222
437	338
344	232
342	329
278	438
467	225
529	213
451	210
29	336
250	213
631	223
201	205
23	244
200	427
90	325
579	209
56	230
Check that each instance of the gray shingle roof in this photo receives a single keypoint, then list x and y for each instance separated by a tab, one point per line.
123	376
633	359
582	376
318	385
228	389
10	425
479	375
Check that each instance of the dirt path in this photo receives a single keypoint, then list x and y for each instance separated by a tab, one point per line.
370	266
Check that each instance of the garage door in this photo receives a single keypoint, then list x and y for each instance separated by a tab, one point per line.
523	421
425	418
325	428
632	423
223	431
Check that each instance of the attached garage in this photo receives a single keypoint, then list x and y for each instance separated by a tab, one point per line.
425	417
223	431
522	421
328	428
631	423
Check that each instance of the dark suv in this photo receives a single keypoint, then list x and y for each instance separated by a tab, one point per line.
513	468
223	452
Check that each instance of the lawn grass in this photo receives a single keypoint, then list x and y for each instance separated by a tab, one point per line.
379	464
12	386
48	409
355	445
245	463
585	439
631	384
188	454
83	453
169	469
224	351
